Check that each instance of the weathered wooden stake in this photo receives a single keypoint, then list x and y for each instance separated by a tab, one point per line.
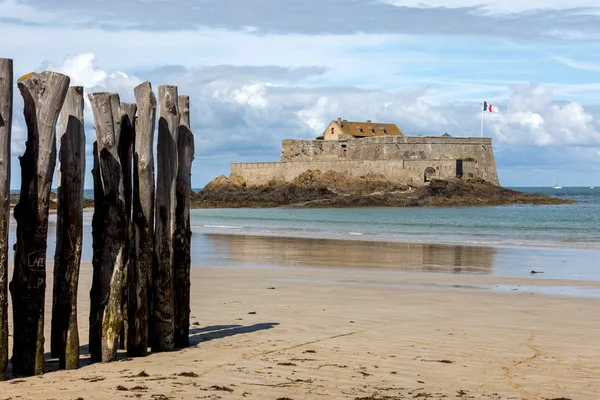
95	321
69	228
183	233
109	231
6	105
162	275
140	267
43	95
125	142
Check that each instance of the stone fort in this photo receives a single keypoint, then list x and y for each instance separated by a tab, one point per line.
368	148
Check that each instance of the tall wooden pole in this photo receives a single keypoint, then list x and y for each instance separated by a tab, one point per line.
183	233
140	266
125	143
162	275
69	228
43	95
109	231
6	105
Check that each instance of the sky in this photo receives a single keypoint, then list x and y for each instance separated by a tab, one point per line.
260	71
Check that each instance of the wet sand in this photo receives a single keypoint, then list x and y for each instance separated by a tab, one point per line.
302	329
503	261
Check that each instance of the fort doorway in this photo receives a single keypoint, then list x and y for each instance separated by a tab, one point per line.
459	168
429	173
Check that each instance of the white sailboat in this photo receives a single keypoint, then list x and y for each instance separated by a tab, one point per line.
557	186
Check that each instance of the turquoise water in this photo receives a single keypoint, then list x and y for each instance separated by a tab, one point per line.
572	225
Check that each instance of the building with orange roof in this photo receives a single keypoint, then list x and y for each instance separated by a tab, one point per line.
341	128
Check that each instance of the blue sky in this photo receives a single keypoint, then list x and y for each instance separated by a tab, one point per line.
260	71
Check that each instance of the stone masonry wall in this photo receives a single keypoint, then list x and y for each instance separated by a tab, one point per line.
392	148
383	148
400	171
401	159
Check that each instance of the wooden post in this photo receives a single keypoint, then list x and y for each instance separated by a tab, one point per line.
125	142
69	228
140	267
183	233
162	275
6	105
43	95
95	320
108	229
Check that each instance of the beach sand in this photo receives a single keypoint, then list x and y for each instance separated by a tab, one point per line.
335	333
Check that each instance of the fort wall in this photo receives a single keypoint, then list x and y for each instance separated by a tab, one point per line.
399	171
401	159
385	148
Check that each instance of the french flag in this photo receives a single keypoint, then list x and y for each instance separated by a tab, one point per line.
488	107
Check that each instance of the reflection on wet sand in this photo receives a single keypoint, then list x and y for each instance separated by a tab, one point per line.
332	253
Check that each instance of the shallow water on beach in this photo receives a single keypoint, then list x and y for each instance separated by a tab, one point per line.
501	261
560	242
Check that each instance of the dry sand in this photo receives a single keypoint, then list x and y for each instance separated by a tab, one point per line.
302	333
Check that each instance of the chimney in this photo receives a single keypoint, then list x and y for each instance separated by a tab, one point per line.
339	120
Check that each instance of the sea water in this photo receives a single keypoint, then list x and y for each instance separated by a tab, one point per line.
561	240
569	226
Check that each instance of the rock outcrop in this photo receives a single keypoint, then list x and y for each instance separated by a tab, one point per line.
333	189
14	199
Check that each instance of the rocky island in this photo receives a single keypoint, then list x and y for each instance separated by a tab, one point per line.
333	189
369	164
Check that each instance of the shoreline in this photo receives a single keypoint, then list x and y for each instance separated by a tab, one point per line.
304	333
408	239
459	261
248	248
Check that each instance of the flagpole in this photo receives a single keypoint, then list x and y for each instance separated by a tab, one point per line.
481	133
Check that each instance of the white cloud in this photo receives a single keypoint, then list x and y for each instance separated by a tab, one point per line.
532	118
251	95
20	11
83	72
521	20
582	65
503	6
407	108
125	49
235	104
